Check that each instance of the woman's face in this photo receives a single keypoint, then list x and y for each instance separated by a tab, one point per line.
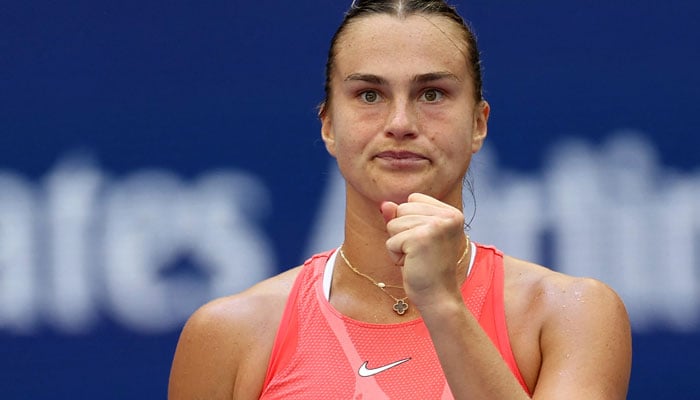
402	116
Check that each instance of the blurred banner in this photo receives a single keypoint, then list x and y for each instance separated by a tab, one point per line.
154	156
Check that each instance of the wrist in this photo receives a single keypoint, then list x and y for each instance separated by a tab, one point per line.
439	309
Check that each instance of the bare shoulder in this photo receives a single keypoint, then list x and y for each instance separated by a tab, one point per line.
576	328
554	292
224	347
235	316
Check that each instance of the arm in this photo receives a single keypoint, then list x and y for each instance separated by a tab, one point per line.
583	329
472	365
425	235
586	342
205	362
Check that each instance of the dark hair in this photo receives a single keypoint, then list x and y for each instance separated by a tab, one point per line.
402	9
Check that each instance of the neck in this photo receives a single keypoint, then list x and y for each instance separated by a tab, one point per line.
365	240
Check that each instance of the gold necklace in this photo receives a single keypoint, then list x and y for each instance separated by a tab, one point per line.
400	305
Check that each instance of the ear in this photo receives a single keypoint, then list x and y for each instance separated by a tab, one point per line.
481	119
327	128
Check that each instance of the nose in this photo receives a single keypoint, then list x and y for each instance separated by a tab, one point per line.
401	122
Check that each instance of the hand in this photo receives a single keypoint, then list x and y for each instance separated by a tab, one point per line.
426	238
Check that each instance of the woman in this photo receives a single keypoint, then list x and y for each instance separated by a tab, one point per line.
407	307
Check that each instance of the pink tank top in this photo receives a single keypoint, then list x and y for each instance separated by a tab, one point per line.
321	354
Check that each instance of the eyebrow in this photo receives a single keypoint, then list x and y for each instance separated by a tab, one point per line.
369	78
422	78
435	76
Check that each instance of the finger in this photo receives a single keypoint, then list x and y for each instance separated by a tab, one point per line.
424	198
394	245
388	209
427	209
406	222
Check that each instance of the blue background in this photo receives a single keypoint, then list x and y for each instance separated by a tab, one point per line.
191	87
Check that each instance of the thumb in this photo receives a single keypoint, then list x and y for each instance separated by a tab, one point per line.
388	209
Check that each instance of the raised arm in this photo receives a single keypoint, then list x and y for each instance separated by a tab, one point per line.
573	334
424	237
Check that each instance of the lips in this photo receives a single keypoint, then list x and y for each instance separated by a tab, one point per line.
401	156
400	160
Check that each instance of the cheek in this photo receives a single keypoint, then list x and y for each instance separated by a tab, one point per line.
350	148
344	145
453	140
352	135
458	151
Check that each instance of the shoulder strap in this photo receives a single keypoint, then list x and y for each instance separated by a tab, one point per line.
286	337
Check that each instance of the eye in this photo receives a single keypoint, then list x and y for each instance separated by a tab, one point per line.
432	95
370	96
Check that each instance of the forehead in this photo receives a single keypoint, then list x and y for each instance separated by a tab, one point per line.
422	42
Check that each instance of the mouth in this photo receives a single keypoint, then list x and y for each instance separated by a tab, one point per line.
402	160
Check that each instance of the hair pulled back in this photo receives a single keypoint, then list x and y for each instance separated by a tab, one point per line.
403	9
